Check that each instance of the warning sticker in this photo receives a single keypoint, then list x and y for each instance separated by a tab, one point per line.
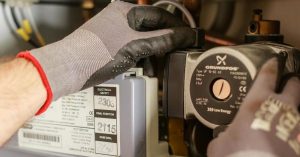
86	123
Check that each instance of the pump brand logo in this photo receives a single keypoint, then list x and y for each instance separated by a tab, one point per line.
221	60
221	64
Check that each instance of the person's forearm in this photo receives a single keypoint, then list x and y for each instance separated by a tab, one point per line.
4	59
22	93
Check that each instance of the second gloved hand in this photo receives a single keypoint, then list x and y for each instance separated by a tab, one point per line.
107	45
267	123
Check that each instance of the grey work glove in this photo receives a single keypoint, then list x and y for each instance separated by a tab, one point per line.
107	45
267	124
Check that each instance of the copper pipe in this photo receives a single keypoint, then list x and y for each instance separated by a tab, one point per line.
143	2
176	137
218	41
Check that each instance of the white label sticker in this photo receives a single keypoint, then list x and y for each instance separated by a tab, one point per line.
86	123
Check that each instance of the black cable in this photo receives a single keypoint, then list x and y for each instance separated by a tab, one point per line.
14	17
15	20
34	44
57	2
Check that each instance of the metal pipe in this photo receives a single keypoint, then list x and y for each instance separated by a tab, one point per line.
224	16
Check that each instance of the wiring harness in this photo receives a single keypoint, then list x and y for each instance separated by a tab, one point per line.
21	21
19	16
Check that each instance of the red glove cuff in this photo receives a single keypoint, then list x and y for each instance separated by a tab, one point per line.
29	57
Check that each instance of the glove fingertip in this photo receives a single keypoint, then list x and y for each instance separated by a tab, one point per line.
184	37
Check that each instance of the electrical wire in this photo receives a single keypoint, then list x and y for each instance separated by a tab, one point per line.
17	15
30	41
75	3
16	26
10	20
181	8
14	17
56	2
22	20
36	31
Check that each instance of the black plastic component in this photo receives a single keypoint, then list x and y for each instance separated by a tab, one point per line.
250	38
163	128
174	84
197	137
200	38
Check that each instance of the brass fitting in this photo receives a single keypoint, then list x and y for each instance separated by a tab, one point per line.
263	27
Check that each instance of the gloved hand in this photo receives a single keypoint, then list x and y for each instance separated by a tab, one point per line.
107	45
267	124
